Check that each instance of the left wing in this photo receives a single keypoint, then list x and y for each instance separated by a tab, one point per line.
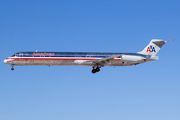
103	61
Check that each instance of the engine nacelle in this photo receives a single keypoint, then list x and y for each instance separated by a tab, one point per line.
132	58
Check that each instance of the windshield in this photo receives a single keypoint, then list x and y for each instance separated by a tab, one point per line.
15	55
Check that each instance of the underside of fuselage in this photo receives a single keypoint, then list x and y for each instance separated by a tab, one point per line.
64	63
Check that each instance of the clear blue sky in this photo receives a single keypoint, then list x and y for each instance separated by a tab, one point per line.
148	91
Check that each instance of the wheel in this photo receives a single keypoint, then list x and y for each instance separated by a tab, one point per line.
12	68
97	69
93	71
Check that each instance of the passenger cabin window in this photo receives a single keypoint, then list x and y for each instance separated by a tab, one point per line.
20	54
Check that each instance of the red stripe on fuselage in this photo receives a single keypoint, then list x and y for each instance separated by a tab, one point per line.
41	58
51	58
119	59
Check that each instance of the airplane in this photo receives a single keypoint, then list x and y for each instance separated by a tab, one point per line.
96	60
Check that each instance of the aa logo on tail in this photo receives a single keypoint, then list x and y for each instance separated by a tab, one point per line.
151	49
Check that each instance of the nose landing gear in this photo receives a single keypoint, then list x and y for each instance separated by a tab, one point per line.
12	68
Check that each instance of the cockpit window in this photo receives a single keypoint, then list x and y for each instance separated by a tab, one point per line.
15	55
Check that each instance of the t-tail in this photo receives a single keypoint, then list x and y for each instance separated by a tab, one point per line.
153	47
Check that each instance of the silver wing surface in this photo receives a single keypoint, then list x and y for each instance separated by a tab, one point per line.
102	62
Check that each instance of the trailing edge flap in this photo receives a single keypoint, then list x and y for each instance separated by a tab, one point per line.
104	60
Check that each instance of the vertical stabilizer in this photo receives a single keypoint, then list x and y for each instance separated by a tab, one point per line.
153	47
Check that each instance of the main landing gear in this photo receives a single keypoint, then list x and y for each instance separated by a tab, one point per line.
94	70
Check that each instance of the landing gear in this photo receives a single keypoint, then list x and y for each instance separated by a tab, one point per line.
12	68
97	69
94	70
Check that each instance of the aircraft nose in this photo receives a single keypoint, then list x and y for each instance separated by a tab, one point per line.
5	61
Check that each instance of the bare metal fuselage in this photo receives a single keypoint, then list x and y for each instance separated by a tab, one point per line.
69	59
23	61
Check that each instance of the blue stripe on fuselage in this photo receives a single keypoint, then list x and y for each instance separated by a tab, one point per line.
73	54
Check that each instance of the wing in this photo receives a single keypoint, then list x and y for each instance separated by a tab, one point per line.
102	62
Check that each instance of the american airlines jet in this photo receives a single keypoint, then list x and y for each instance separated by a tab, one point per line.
96	60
